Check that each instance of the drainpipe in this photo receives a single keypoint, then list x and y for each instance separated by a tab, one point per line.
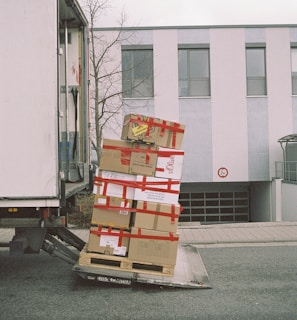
284	159
66	100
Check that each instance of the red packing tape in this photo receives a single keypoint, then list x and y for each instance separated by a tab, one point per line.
175	127
126	153
139	235
171	214
143	185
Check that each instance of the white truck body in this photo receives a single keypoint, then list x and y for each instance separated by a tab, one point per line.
38	122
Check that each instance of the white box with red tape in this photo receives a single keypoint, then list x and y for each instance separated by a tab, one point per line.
137	187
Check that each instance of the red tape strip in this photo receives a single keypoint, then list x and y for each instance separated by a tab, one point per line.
175	127
113	208
139	235
160	153
143	185
171	214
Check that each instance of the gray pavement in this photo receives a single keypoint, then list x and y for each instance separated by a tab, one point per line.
241	234
219	235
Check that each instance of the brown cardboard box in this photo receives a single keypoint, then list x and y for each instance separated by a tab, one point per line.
153	246
156	216
143	159
111	211
126	157
163	133
108	241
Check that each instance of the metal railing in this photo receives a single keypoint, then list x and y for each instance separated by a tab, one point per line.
286	170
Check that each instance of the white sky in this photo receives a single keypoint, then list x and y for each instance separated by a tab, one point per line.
199	12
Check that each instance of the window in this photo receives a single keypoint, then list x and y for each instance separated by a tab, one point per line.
256	71
137	77
294	70
193	71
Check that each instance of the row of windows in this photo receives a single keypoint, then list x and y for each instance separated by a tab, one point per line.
193	72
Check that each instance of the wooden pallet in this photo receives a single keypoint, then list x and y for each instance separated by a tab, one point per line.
117	263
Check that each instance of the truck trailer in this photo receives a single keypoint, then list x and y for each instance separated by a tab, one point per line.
44	120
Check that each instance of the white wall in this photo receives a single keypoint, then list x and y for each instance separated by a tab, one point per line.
228	91
279	90
166	74
289	202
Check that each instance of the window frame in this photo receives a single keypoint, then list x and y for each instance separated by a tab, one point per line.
256	78
134	84
293	77
189	80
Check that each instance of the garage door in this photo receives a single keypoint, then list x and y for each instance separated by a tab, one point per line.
215	207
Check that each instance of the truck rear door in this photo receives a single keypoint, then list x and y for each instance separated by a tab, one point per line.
28	100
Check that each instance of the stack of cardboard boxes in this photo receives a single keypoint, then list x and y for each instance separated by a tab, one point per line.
136	190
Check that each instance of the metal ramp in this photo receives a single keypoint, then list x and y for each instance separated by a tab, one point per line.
57	241
189	272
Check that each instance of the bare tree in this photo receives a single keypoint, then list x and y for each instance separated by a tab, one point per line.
105	72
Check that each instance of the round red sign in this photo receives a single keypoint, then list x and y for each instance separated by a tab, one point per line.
223	172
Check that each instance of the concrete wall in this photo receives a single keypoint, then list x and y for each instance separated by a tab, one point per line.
260	201
289	202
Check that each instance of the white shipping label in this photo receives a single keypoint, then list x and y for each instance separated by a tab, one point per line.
124	212
102	201
112	241
120	251
109	241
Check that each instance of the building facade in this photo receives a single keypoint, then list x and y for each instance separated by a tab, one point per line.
234	87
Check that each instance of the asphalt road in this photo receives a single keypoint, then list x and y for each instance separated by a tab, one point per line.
248	283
